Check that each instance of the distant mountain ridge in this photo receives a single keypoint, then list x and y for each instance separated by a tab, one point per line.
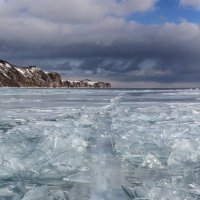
32	76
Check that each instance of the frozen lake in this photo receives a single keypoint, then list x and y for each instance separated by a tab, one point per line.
86	144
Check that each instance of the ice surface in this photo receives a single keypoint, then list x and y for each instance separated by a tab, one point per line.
63	144
37	193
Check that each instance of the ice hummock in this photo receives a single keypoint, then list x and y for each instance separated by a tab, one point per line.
99	144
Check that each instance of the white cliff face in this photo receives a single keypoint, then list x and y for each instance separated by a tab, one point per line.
4	64
20	70
5	73
85	84
28	71
3	70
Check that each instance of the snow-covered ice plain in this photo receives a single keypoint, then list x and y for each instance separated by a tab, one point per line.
85	144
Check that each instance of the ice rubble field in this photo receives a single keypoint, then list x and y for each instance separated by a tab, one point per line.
75	144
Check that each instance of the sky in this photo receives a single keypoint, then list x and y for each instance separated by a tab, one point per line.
130	43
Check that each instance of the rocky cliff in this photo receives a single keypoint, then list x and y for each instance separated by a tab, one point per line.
85	83
32	76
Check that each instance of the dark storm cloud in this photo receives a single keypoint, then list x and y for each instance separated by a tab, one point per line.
99	44
111	65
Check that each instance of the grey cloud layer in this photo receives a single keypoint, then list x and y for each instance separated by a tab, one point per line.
90	39
68	11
